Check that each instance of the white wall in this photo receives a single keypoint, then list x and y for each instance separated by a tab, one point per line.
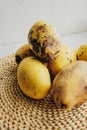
17	16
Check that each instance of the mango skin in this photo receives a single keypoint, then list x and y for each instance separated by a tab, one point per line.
45	40
23	52
33	78
70	86
82	52
65	57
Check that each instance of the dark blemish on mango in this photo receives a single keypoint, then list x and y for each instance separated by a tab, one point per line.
63	105
70	61
56	98
23	78
79	55
43	50
49	36
31	32
66	52
31	53
35	94
78	104
56	52
35	26
51	44
26	54
42	27
82	52
46	58
86	88
18	58
54	92
38	36
35	44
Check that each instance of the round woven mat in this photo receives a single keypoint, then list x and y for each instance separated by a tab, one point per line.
19	112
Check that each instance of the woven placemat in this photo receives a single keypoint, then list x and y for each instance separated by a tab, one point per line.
19	112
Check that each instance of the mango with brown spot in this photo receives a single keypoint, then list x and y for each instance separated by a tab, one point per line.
66	56
82	52
23	52
45	40
70	86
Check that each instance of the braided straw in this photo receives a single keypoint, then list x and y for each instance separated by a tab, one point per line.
19	112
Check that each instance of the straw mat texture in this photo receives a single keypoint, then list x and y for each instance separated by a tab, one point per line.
19	112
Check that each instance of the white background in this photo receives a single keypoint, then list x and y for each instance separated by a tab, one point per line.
69	17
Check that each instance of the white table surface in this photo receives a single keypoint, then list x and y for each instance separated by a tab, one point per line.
73	40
